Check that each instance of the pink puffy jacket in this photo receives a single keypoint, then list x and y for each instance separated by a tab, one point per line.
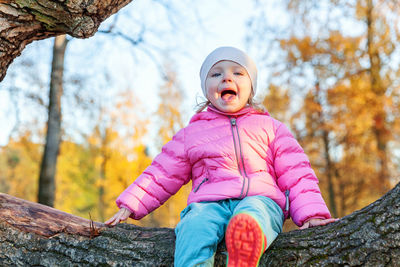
230	156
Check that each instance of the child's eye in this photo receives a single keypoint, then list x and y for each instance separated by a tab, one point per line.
216	74
239	73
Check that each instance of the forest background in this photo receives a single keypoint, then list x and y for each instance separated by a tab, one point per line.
328	69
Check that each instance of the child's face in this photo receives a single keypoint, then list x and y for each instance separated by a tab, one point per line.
228	86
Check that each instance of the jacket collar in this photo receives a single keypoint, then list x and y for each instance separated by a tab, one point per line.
213	113
246	109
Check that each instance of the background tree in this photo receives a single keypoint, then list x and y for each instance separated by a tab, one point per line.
48	167
346	83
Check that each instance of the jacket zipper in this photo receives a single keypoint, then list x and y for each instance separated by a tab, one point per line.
287	192
240	166
202	182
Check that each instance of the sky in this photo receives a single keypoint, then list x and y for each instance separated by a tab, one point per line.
222	23
186	39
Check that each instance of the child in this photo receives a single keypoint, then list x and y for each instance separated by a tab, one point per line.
248	172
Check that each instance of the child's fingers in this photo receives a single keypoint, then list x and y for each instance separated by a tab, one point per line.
318	222
116	220
327	221
323	222
122	215
123	218
125	214
331	220
305	226
112	219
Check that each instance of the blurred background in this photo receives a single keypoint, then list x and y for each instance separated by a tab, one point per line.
329	69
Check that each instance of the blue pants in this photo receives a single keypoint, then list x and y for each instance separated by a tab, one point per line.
203	226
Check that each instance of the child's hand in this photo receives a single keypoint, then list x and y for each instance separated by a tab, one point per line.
122	215
316	222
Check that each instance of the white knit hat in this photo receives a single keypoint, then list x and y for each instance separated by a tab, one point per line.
232	54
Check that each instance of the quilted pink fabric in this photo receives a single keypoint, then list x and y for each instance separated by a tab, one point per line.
230	156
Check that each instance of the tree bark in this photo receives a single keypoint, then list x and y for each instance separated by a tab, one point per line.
33	234
47	187
23	21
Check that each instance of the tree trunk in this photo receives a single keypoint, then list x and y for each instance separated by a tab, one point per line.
329	165
33	234
47	188
105	142
330	173
378	88
23	21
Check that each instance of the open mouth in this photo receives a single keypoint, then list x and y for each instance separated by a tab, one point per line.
227	94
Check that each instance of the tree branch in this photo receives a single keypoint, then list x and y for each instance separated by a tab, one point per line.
23	21
34	234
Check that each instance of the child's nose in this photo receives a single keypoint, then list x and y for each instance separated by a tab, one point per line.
227	77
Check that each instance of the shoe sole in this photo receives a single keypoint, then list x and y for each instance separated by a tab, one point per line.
245	241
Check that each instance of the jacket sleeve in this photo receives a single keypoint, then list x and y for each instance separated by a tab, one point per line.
294	173
168	172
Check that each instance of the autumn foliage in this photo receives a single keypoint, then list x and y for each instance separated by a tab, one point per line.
338	70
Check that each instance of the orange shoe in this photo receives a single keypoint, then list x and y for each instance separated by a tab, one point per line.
245	241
